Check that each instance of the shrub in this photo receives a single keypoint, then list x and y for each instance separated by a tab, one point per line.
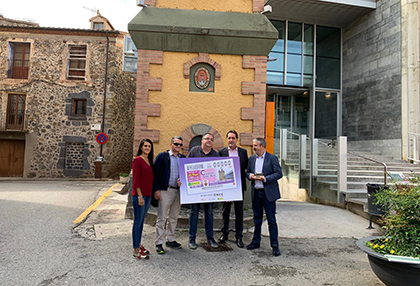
401	203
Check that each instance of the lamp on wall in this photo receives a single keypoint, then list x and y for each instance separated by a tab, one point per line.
327	94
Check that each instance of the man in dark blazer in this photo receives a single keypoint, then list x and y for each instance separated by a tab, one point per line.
232	150
263	171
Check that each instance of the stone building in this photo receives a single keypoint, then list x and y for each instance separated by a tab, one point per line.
59	88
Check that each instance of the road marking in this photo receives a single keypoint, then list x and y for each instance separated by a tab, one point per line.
94	205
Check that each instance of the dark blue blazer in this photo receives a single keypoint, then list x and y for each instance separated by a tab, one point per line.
243	159
272	172
162	171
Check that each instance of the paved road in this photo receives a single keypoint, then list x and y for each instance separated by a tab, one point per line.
39	247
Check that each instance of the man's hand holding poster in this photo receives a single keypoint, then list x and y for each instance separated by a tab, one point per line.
213	179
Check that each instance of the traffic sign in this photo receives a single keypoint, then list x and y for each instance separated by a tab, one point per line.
101	138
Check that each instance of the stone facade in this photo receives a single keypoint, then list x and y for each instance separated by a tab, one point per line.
372	75
58	142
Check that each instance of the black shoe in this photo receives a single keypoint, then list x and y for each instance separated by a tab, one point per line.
192	244
276	251
212	243
223	238
159	249
173	244
239	243
252	246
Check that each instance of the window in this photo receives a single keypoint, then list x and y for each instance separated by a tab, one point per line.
79	107
130	55
15	111
77	63
98	26
328	57
19	60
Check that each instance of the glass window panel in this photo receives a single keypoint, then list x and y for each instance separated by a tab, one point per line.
21	107
293	79
284	112
277	65
328	72
130	64
279	46
274	77
325	114
308	64
294	63
328	42
307	80
280	26
301	124
294	37
308	40
328	61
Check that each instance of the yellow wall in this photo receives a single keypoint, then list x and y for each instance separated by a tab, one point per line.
244	6
181	108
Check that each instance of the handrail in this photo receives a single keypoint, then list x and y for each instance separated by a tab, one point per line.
415	157
373	160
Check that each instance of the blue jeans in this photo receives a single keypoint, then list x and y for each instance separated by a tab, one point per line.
139	215
259	203
208	220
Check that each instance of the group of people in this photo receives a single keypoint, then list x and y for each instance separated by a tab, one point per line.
161	180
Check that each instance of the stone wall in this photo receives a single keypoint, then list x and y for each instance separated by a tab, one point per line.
372	77
49	104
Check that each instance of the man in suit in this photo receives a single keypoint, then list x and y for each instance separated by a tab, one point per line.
263	171
232	150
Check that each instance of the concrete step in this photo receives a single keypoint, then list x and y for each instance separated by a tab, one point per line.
356	193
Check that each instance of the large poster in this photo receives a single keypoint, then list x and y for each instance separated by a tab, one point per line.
210	179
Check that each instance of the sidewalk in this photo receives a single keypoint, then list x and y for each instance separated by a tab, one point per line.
295	220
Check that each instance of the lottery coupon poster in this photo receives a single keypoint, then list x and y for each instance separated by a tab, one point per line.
211	179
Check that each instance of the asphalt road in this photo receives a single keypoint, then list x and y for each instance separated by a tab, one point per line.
39	247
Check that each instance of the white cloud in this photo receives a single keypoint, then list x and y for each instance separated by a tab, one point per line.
70	14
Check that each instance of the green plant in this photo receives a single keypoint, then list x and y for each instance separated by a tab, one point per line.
401	203
124	175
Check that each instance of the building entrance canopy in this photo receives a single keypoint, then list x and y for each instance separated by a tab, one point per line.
335	13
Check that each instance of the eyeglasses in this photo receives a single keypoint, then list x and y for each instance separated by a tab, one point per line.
178	144
207	139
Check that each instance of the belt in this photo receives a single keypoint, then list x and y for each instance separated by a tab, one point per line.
173	187
259	189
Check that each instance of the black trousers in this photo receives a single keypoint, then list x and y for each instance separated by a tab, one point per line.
239	218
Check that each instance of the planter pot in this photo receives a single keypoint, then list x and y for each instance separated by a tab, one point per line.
391	273
124	180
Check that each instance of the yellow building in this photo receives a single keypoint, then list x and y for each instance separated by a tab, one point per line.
201	68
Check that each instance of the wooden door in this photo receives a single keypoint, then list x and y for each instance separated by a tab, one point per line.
12	154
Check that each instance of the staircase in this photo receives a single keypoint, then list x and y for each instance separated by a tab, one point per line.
359	172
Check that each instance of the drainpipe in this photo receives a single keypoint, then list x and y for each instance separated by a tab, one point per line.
99	160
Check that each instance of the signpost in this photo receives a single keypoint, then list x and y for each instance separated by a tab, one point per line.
102	138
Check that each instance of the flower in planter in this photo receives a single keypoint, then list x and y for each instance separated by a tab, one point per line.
401	203
124	175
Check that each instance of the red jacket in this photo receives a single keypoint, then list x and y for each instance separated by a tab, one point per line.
142	177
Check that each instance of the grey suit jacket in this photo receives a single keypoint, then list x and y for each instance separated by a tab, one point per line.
272	172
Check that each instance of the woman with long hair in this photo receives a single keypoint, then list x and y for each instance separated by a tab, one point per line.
142	193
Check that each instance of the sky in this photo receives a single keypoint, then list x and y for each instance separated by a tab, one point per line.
71	13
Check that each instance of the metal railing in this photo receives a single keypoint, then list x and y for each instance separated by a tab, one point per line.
372	160
413	147
19	69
